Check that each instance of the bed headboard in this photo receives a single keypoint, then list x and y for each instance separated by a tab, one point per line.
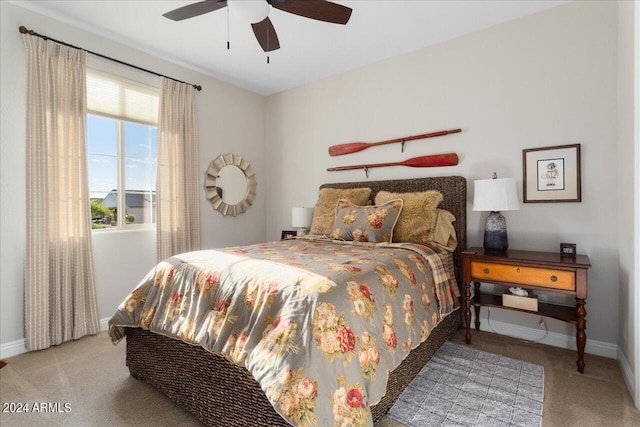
453	189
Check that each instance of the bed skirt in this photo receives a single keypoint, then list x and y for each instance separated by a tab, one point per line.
219	392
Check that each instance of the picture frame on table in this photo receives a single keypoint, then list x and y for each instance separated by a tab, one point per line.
288	234
551	174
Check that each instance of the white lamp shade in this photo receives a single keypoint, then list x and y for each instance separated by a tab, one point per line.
301	217
495	195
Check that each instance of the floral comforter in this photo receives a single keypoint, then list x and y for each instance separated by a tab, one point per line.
319	324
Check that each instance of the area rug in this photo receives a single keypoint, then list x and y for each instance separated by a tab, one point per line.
462	386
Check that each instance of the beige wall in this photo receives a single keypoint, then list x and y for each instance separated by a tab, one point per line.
626	162
543	80
229	120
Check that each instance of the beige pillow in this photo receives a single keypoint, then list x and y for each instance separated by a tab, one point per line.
324	212
418	214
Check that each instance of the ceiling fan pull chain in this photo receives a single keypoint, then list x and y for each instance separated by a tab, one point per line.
228	25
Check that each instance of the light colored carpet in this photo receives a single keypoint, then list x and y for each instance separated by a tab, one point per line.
91	375
468	387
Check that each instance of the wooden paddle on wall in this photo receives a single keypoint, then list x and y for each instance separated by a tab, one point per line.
354	147
448	159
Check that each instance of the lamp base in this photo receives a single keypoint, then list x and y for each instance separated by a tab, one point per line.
495	233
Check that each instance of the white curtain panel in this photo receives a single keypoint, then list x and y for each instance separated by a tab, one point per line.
60	296
178	221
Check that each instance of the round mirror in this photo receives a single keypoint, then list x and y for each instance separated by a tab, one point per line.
230	184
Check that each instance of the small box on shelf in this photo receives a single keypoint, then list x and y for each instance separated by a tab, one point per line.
288	234
568	249
529	303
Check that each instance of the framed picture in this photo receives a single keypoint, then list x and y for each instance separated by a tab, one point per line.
551	174
288	234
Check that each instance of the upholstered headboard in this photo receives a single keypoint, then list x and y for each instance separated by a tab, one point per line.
453	189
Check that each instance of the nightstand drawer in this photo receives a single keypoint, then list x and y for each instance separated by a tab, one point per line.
543	277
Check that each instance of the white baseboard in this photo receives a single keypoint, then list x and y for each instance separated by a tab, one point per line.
627	374
12	348
554	339
17	347
104	324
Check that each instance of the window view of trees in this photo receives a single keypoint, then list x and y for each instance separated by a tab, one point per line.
100	215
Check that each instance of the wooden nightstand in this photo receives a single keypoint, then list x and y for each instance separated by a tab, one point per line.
538	270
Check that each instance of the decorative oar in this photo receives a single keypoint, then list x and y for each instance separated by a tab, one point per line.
354	147
449	159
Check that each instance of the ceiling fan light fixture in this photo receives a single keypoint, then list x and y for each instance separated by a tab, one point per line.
257	13
251	10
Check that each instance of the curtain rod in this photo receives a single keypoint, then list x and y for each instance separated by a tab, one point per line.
23	30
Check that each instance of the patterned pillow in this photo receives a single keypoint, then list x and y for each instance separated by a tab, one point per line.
372	224
418	215
324	212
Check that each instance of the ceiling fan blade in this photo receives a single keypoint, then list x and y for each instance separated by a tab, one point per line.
320	10
266	35
195	9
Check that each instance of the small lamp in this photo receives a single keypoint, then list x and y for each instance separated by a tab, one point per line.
495	195
301	220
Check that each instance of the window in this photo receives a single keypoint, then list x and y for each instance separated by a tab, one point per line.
122	150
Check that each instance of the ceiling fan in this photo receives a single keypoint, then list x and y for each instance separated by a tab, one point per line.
264	31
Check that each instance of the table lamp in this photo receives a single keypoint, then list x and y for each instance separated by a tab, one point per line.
301	220
495	195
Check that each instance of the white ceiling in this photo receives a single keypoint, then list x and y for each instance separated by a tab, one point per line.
309	50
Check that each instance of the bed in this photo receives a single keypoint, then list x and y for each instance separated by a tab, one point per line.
218	387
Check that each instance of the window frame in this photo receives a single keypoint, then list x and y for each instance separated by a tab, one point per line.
121	157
